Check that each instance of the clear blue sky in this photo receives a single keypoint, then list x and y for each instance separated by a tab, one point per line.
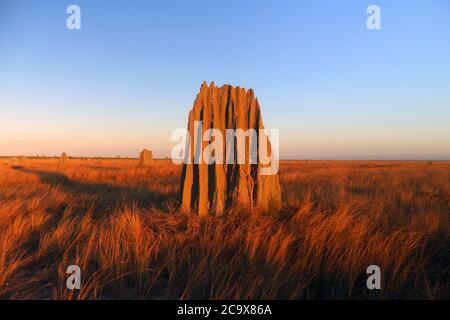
335	89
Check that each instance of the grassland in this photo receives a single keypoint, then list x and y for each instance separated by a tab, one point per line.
121	225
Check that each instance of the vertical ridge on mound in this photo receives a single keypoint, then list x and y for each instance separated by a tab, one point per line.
213	188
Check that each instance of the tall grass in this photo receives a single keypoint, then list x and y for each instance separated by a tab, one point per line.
121	224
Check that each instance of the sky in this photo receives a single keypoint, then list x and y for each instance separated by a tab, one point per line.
129	76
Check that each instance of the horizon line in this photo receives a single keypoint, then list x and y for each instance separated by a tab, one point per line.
168	158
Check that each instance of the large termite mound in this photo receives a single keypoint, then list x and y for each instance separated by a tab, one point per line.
214	188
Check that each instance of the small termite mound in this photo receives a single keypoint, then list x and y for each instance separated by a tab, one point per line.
63	159
15	162
145	158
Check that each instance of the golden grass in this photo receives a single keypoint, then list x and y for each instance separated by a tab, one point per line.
121	225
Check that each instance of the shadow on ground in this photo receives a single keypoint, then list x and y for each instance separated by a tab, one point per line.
105	195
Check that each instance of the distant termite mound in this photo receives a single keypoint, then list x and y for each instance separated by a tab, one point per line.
145	158
63	159
15	161
211	186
